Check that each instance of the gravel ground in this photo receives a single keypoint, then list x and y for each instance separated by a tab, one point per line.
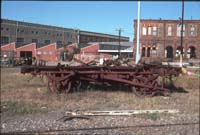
133	125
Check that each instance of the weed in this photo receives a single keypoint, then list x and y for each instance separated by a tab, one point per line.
17	107
151	116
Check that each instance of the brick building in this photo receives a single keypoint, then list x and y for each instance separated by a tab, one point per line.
162	38
23	39
86	36
24	33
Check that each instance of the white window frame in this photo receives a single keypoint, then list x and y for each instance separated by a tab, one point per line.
45	52
192	30
179	30
155	31
169	30
149	30
144	30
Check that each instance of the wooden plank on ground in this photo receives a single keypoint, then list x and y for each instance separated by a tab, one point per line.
118	112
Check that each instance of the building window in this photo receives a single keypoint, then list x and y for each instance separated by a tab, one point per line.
32	32
154	31
149	30
58	42
1	28
47	41
20	40
18	30
39	52
7	29
169	31
144	31
192	31
44	52
35	41
46	33
179	30
60	34
36	32
50	52
22	31
4	40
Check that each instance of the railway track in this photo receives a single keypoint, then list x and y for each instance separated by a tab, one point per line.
68	130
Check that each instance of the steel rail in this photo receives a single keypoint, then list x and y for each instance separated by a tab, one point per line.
102	128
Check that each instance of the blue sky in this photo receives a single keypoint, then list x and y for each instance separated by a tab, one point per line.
103	17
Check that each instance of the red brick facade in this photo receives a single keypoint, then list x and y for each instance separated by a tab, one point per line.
47	53
162	39
8	47
92	49
29	47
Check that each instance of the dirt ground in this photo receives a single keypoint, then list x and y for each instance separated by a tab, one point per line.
27	106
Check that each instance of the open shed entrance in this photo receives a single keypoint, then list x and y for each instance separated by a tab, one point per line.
26	54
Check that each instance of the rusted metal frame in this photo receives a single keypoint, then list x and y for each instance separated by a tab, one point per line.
63	78
104	72
116	75
51	83
132	83
88	79
60	81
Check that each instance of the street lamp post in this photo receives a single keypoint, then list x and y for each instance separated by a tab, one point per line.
181	56
138	36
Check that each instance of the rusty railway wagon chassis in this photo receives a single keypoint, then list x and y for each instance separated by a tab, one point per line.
143	80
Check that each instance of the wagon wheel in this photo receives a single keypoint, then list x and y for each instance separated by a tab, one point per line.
76	86
142	91
68	87
53	86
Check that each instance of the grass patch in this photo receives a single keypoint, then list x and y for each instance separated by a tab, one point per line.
17	107
187	82
18	96
151	116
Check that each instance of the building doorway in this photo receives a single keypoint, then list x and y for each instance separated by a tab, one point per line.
143	51
191	52
148	51
26	54
169	52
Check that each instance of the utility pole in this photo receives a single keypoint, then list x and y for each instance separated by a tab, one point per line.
78	38
13	51
181	56
119	47
138	36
